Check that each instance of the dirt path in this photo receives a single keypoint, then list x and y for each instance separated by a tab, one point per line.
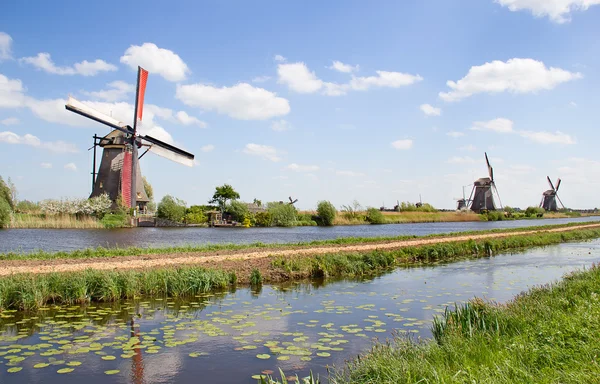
233	260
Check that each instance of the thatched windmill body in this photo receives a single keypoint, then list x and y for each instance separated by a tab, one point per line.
550	196
119	174
482	195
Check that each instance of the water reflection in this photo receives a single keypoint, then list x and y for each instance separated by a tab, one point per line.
27	240
227	337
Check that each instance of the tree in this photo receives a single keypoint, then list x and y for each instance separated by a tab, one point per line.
326	212
282	215
6	194
222	194
238	210
171	208
374	216
148	188
4	213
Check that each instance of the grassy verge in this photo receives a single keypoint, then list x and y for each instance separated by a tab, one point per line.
136	251
24	221
547	335
28	291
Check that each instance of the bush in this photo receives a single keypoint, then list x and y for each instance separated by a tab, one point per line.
405	206
195	215
352	211
374	216
97	206
171	208
282	215
4	213
112	220
326	212
263	219
237	210
26	206
534	212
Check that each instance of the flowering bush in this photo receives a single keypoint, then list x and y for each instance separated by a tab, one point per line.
95	206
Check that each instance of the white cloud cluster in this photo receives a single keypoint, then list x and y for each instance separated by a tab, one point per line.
207	148
514	75
44	62
10	121
502	125
186	119
156	60
281	125
430	110
33	141
71	167
261	79
11	92
302	168
241	101
46	165
559	11
117	90
344	68
5	46
299	78
402	144
264	151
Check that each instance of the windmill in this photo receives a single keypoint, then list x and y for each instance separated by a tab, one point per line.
119	174
482	195
292	202
550	196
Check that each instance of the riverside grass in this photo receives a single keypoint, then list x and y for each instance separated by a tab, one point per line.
27	221
136	251
29	291
546	335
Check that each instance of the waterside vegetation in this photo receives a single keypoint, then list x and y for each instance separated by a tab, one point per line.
545	335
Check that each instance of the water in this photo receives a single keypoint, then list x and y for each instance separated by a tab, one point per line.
27	240
303	327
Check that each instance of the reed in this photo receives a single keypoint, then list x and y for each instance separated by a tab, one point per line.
24	221
546	335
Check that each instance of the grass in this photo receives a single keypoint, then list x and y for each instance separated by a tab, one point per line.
22	220
407	217
29	291
547	335
135	251
370	263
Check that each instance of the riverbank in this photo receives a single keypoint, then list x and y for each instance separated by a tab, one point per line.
542	336
28	284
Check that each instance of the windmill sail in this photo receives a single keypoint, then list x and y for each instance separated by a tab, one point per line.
82	109
139	98
168	151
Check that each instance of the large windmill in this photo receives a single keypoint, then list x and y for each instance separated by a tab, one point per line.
550	196
482	195
119	174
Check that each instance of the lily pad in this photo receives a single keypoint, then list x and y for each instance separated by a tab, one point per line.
263	356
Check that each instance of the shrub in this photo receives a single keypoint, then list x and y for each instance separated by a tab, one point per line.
171	208
263	219
326	212
237	210
112	220
4	213
6	192
374	216
352	211
195	215
534	212
282	215
255	277
97	206
26	206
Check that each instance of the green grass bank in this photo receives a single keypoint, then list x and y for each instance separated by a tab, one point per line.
546	335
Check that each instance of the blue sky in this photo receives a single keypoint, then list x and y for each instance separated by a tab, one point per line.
336	100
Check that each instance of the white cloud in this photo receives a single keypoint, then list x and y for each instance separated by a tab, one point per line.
499	125
10	121
461	160
468	148
349	173
46	165
33	141
264	151
207	148
241	101
455	134
302	168
118	90
430	110
402	144
548	137
280	125
12	93
156	60
261	79
345	68
515	75
186	119
573	104
299	78
559	11
5	46
384	79
71	166
279	58
44	62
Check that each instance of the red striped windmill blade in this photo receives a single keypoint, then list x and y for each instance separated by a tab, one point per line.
129	138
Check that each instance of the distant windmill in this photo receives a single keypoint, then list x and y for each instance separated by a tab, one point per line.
482	195
119	174
550	196
292	202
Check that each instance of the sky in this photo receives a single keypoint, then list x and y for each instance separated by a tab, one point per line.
340	100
